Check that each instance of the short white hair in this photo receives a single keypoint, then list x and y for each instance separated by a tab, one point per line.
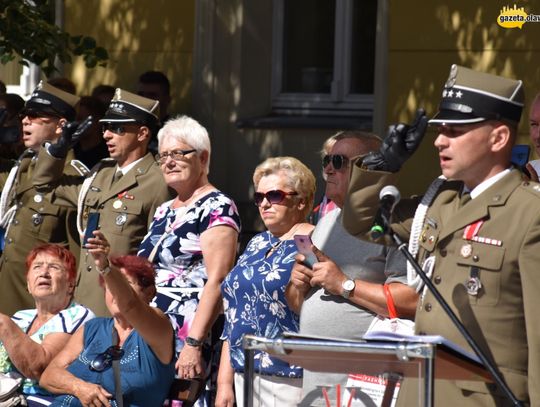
189	131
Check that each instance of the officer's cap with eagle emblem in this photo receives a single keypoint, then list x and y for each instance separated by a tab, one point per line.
49	100
470	96
127	107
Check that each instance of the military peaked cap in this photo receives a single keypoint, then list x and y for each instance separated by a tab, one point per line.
49	100
470	97
127	107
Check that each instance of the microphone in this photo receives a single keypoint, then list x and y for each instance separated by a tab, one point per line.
388	198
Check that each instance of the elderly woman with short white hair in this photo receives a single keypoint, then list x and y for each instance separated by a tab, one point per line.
192	242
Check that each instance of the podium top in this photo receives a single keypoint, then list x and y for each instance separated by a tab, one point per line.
374	357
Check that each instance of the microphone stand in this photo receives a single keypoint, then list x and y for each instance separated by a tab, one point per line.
402	247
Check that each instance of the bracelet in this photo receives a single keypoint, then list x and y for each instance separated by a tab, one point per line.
105	271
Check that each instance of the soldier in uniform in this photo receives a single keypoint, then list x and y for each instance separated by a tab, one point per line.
476	232
124	189
28	216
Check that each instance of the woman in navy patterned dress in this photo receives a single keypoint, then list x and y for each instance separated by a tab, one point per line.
192	242
254	290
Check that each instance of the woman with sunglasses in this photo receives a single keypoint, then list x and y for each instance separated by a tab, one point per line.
192	242
129	355
254	291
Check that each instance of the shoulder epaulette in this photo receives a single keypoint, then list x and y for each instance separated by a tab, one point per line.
80	167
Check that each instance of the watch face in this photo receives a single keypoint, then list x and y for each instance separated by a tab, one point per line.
348	285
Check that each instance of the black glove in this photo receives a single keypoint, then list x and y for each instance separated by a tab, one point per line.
71	133
400	143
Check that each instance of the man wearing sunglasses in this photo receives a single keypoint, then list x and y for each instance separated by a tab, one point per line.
476	233
340	294
28	216
124	190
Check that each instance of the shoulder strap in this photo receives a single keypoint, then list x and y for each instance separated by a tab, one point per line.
116	369
80	167
390	302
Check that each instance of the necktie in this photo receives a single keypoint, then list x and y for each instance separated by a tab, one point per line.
464	198
117	175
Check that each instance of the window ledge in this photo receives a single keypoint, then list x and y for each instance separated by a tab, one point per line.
306	122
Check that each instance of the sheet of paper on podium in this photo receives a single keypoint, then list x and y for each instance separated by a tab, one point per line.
391	336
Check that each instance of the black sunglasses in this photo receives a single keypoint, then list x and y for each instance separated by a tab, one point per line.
176	155
338	161
116	127
104	360
34	114
274	197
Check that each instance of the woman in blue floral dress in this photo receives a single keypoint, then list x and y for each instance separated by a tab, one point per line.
254	290
192	242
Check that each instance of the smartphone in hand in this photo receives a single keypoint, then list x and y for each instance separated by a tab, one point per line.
91	225
303	244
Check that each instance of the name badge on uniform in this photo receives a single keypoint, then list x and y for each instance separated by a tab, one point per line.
121	219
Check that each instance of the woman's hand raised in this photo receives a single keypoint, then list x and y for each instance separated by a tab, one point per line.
99	248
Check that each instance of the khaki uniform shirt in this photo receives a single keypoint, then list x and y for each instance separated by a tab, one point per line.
505	254
37	220
126	210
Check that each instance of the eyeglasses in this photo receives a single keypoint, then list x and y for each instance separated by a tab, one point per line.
113	128
274	197
34	114
176	155
338	161
104	360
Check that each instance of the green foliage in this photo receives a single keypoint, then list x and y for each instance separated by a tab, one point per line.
28	32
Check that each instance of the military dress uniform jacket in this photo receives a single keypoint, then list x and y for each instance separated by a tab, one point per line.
37	220
126	210
504	254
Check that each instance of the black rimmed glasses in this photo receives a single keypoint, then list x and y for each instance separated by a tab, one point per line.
338	161
176	155
274	197
104	360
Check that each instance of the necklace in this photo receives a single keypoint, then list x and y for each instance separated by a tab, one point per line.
281	239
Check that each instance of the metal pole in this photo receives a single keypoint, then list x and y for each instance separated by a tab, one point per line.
248	376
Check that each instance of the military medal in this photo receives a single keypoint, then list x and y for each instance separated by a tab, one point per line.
471	233
466	250
38	198
37	218
121	219
117	204
473	283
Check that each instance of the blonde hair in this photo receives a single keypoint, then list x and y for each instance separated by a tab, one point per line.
298	177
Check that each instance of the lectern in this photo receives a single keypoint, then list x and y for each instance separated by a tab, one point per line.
422	360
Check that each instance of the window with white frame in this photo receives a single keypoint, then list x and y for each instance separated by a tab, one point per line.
324	57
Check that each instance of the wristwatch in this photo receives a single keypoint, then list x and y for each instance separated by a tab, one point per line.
348	287
193	342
